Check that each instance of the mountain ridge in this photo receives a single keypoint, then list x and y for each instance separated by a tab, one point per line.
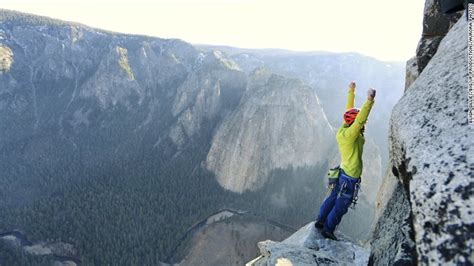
8	15
232	50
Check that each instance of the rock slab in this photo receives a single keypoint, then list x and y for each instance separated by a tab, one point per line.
308	247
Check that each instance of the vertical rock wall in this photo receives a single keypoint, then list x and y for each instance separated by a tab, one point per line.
435	26
430	144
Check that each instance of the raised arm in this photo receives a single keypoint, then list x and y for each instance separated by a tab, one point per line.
351	96
354	130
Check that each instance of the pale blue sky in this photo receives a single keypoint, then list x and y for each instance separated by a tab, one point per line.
387	30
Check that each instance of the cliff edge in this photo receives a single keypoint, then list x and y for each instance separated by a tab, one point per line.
308	247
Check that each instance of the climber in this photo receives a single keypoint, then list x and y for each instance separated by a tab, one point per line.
345	185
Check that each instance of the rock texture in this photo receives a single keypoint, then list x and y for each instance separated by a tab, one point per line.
213	89
430	151
279	123
435	26
411	72
6	58
308	247
392	238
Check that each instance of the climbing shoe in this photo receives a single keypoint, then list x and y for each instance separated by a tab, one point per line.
328	235
319	224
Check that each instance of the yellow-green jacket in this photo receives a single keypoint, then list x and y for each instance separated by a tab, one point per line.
350	140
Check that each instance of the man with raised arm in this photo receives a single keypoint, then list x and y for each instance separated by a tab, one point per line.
345	183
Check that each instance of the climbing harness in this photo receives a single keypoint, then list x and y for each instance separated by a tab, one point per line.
333	179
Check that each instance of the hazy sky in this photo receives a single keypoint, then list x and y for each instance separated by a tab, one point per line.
384	29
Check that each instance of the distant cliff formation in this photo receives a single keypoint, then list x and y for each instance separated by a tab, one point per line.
279	123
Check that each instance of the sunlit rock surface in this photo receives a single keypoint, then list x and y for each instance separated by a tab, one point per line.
308	247
279	123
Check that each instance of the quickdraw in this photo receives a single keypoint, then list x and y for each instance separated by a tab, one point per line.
355	197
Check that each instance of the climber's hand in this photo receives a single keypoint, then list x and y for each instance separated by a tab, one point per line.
352	85
371	94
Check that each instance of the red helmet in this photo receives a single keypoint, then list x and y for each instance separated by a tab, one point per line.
350	115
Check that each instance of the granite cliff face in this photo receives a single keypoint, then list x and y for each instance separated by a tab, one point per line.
436	25
279	123
427	198
207	94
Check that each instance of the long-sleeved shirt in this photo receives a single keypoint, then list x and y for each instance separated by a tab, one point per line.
350	140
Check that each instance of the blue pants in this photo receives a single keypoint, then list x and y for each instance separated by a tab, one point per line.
337	203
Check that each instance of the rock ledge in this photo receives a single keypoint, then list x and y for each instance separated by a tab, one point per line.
308	247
